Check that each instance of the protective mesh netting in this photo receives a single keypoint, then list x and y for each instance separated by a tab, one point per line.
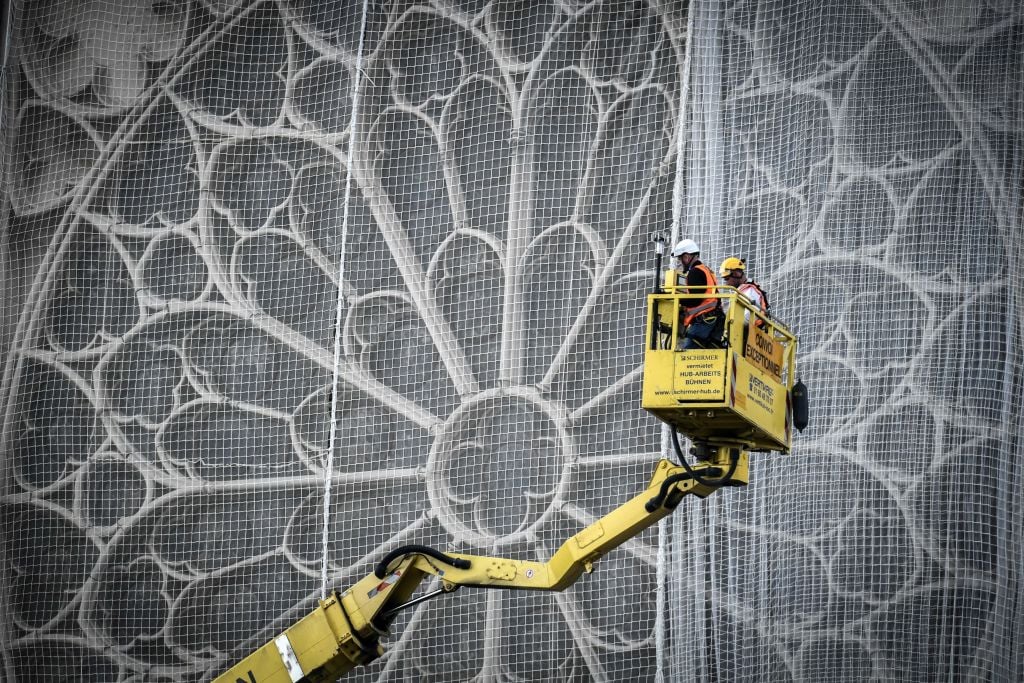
251	248
866	158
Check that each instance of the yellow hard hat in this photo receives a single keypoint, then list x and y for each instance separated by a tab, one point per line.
730	264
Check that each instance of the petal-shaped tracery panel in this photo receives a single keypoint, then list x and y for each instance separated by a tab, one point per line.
93	296
239	77
45	173
562	127
479	127
214	441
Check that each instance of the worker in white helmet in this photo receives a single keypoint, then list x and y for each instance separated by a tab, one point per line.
703	319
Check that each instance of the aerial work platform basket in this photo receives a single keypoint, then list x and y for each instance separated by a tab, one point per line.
739	390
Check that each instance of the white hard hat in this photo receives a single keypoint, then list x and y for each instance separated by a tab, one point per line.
685	247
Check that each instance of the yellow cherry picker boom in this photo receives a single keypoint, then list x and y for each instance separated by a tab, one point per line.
737	397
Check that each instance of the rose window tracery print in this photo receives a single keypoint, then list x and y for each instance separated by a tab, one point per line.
410	257
290	284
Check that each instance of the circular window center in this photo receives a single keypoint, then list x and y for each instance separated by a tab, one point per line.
496	467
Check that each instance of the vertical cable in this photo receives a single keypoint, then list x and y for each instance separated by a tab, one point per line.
706	161
681	131
660	604
329	466
664	528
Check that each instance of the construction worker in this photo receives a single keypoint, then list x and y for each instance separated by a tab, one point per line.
703	320
734	274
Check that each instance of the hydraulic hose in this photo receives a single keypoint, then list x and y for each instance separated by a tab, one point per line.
686	466
659	500
382	567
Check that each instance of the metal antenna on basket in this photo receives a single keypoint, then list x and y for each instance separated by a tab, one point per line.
659	253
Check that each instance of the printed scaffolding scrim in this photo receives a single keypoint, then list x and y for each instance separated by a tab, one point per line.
288	284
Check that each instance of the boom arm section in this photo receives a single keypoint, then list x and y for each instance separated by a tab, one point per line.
344	630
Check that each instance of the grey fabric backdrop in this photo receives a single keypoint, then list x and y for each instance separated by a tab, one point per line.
252	247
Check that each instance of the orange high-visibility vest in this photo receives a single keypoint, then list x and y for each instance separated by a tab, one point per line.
705	305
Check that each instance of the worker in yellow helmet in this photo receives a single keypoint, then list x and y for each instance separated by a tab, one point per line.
734	274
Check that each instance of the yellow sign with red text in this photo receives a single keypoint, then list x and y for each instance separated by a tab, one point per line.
764	352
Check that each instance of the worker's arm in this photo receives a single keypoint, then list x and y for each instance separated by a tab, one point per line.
343	632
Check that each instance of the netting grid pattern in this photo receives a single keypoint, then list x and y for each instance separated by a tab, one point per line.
866	158
288	284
